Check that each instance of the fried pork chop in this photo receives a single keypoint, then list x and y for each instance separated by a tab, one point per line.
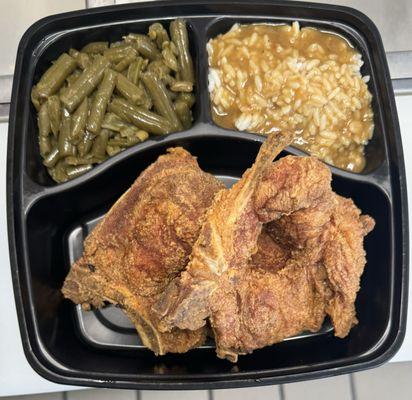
143	243
256	287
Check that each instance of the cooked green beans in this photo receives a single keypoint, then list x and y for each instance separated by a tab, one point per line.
74	172
35	98
83	60
144	46
44	121
85	83
116	54
79	120
158	34
55	113
161	100
129	91
95	47
126	60
64	145
51	159
178	32
113	122
135	69
44	131
54	77
100	144
101	100
170	59
189	98
140	117
182	86
75	161
94	102
85	144
184	113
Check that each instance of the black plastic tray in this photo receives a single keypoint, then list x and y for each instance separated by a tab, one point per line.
47	222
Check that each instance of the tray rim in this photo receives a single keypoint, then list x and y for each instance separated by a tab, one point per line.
150	381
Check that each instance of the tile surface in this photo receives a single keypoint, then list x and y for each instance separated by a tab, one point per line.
174	395
102	394
44	396
391	381
336	388
24	13
256	393
385	14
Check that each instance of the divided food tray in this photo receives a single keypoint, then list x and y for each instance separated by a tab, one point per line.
48	222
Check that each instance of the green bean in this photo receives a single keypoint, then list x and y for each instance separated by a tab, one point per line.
128	132
44	121
100	144
158	34
184	113
85	84
62	91
189	98
142	135
172	47
161	70
55	113
79	120
178	32
116	54
83	60
35	99
89	159
128	90
113	150
54	77
113	122
73	77
170	59
119	43
44	130
101	100
147	101
126	60
58	173
120	142
64	145
44	145
51	159
140	117
85	144
132	133
95	47
161	100
53	141
182	86
143	45
135	69
74	172
129	140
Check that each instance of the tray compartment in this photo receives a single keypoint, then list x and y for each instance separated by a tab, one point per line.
375	150
56	226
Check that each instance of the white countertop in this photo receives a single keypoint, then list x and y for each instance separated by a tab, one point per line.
16	375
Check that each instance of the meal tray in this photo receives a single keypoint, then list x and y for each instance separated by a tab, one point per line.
47	222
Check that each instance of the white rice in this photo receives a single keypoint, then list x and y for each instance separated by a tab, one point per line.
310	91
